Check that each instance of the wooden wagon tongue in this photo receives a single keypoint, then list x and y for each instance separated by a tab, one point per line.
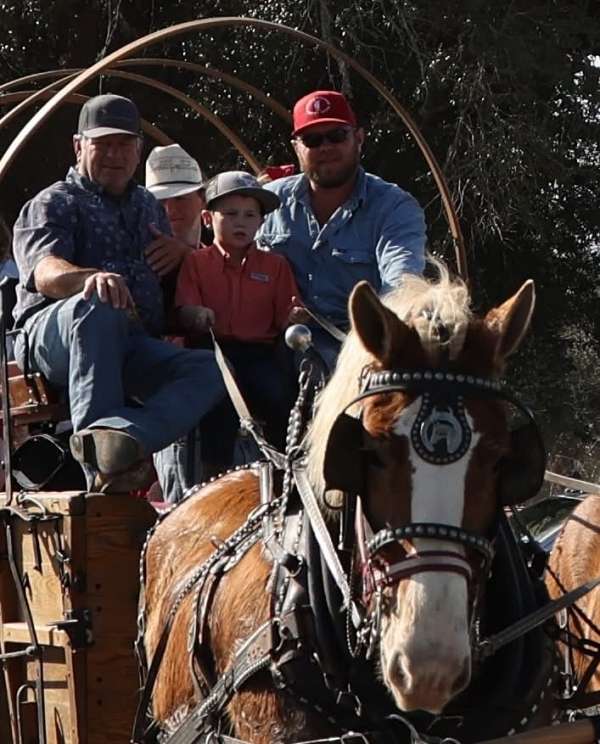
585	731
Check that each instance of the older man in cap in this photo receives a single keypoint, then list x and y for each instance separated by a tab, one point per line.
90	251
337	224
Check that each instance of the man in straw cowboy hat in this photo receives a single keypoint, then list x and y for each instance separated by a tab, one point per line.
338	224
90	300
174	177
176	180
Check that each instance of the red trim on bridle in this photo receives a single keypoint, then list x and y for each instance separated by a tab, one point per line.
378	572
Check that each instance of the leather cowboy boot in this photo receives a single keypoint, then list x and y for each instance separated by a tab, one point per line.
116	457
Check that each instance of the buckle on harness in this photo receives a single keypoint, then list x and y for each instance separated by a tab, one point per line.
349	701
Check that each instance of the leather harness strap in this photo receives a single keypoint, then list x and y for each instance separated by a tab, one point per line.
321	531
193	737
247	421
327	325
253	656
491	645
224	557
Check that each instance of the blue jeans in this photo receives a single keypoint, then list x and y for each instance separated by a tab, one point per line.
179	466
103	358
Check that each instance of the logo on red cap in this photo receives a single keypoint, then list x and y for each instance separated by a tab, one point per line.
322	106
318	106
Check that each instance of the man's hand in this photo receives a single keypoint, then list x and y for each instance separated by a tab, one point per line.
109	288
165	252
196	319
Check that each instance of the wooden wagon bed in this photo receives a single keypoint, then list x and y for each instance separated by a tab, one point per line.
80	569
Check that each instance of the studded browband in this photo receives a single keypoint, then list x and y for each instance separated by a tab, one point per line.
441	433
373	382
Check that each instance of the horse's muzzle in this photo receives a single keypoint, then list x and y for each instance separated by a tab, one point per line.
428	686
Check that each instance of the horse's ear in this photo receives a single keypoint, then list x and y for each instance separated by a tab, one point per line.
382	332
511	319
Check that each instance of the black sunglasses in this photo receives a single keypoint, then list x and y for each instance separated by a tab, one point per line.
316	139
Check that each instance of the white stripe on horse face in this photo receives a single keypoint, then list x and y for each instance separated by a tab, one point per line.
438	491
428	634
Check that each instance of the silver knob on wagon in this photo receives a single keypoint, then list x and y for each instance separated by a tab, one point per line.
298	337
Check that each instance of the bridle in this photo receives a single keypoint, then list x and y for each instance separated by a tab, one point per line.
379	572
441	434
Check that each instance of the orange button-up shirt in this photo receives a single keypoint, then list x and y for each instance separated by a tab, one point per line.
251	302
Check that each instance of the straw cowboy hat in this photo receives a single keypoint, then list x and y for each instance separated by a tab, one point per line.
171	172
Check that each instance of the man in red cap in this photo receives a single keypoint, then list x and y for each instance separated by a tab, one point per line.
338	224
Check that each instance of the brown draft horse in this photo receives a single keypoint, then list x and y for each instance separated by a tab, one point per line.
425	635
575	559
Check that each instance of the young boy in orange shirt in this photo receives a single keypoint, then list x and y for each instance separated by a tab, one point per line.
248	297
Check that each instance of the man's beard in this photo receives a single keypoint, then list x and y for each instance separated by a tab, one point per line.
337	179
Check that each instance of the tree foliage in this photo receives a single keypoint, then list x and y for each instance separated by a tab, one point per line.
506	93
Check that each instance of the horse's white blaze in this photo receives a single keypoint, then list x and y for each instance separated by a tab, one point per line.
428	634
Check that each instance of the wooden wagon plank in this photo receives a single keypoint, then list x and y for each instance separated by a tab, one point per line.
116	527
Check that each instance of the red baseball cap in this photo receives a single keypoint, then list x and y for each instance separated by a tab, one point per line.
322	107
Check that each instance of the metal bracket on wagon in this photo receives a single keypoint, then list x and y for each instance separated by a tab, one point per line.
78	626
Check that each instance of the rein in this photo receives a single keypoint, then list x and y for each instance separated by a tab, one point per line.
247	422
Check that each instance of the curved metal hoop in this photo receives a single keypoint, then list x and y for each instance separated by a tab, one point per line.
199	25
18	96
211	72
157	85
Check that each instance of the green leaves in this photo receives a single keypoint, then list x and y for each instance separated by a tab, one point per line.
506	93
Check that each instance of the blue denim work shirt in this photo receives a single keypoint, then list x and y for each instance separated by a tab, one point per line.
378	234
79	221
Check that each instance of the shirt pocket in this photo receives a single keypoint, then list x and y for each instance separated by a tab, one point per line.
353	256
277	242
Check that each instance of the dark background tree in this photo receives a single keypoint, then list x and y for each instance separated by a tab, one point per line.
506	93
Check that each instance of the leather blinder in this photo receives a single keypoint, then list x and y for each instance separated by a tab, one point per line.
522	470
343	468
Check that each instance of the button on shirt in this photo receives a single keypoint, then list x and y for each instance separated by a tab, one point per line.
77	220
378	234
251	301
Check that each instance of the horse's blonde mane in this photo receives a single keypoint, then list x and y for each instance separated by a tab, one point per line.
423	304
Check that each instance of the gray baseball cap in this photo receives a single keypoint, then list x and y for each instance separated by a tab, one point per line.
109	114
240	182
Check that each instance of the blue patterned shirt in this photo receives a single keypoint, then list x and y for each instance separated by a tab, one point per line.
378	235
77	220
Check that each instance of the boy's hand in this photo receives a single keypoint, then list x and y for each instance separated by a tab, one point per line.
297	314
205	319
165	252
197	319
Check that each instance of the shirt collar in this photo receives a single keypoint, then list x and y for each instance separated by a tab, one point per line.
300	192
75	177
359	193
225	257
